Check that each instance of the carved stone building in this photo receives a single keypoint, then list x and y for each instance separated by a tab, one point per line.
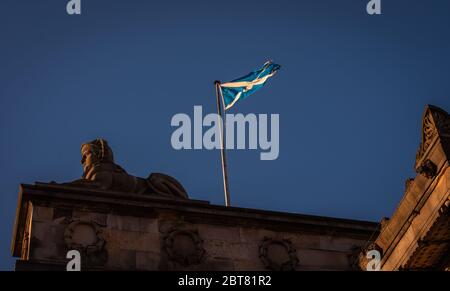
120	222
417	237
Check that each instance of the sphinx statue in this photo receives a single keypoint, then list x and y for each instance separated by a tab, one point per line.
100	171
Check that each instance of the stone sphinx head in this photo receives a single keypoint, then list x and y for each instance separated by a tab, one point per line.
100	171
94	153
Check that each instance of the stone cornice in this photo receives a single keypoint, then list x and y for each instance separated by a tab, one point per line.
198	211
417	212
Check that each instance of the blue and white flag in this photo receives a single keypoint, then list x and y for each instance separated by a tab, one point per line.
241	88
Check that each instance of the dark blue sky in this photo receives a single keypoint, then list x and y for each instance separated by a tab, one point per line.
350	95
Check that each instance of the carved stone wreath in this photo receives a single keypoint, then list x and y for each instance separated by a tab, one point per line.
276	262
184	247
84	236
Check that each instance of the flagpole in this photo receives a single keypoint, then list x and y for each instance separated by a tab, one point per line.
222	143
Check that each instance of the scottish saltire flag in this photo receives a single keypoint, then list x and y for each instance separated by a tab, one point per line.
241	88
